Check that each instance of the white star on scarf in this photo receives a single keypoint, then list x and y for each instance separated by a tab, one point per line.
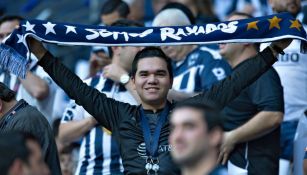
20	38
70	29
49	28
29	27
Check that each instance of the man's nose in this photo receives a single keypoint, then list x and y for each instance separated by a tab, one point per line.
152	79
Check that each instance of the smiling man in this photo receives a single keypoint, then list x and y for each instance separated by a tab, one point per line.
147	125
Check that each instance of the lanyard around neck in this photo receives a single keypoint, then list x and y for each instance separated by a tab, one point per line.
152	141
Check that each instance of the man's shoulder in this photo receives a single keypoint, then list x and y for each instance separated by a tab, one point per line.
270	79
31	114
29	119
271	73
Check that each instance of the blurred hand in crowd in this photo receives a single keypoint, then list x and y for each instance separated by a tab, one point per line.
98	60
113	71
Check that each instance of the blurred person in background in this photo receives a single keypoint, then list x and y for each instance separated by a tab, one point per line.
66	160
201	9
113	10
66	151
7	25
38	89
137	10
252	120
252	7
99	58
20	116
195	67
292	69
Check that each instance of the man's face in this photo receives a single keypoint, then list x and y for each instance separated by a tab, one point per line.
177	53
36	162
188	136
292	6
152	80
110	18
231	50
125	56
66	164
7	28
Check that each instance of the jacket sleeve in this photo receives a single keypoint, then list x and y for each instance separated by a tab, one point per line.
220	94
106	111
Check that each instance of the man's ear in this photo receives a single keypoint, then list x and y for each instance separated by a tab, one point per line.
1	106
17	167
133	82
215	136
171	81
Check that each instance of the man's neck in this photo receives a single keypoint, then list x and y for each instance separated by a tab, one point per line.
235	61
6	106
154	107
203	166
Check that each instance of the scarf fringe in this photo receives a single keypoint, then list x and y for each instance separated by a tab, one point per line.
11	60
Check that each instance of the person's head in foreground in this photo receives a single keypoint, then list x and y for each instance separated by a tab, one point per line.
36	160
196	134
21	155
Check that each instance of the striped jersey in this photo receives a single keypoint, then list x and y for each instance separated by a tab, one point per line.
99	152
202	67
292	70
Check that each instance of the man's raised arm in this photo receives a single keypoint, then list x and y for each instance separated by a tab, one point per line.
104	109
219	95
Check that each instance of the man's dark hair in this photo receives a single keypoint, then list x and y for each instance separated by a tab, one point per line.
55	127
28	136
181	7
10	18
211	116
235	13
111	6
6	94
12	147
67	149
151	52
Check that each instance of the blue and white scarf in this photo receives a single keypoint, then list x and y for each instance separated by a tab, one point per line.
14	53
